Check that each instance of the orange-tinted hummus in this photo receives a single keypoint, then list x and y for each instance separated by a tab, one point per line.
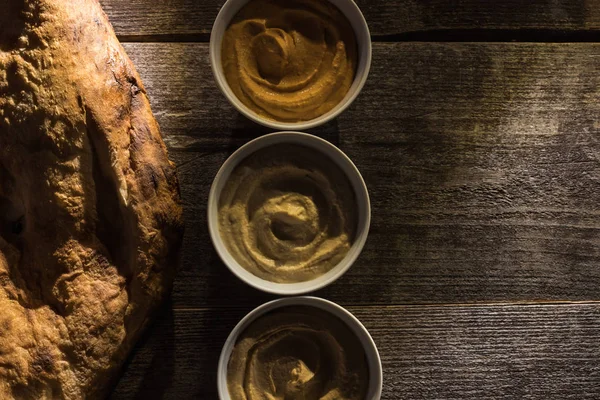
289	60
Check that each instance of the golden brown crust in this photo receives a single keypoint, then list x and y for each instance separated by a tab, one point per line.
90	216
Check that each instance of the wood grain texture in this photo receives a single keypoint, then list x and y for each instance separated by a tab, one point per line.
483	165
482	162
385	17
476	352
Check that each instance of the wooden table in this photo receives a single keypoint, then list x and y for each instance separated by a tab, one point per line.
478	134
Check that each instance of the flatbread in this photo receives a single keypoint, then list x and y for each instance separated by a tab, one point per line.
90	215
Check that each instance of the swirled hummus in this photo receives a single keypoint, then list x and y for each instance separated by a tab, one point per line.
289	60
287	214
298	353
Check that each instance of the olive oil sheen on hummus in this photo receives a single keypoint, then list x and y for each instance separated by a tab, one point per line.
289	60
287	213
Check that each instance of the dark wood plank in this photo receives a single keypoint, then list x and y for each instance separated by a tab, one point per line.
475	352
385	17
482	161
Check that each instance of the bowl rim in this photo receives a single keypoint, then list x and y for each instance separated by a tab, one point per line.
364	44
348	168
375	386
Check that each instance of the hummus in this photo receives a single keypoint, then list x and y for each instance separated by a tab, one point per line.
289	60
287	214
298	353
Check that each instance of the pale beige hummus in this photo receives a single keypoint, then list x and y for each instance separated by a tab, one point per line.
289	60
287	214
298	353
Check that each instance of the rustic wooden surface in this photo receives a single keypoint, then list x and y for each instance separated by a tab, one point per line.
193	19
482	162
481	275
436	352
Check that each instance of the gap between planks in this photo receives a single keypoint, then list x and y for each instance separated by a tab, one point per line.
426	305
439	35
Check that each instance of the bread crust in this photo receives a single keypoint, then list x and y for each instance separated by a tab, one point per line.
90	214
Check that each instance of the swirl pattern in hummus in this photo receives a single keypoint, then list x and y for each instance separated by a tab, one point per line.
289	60
298	353
286	214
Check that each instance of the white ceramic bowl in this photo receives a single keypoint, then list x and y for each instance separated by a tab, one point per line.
362	201
371	353
363	39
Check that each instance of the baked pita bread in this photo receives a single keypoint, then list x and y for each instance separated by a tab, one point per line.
90	215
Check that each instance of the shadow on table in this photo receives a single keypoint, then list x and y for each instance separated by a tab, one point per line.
149	371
